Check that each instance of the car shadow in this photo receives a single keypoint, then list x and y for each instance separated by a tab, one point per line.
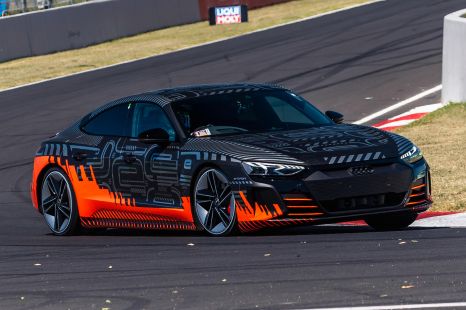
287	231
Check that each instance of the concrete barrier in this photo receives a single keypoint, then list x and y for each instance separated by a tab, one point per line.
76	26
454	58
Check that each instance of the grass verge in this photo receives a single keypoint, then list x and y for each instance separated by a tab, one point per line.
442	137
37	68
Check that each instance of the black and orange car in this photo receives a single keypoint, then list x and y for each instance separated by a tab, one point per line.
224	157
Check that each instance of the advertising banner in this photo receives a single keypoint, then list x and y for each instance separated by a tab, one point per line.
228	15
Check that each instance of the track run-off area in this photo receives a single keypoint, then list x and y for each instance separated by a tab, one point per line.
358	62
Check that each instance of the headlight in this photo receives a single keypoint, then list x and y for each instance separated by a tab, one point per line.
257	168
413	155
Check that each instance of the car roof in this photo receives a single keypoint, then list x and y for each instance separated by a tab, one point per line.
179	93
166	96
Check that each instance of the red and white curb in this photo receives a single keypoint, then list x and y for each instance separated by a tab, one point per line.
408	117
429	219
452	220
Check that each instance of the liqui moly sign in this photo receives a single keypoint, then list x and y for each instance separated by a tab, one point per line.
228	15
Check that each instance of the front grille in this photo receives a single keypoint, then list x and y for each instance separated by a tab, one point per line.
301	206
363	202
359	181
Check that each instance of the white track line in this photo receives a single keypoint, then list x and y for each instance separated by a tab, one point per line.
197	45
395	307
399	104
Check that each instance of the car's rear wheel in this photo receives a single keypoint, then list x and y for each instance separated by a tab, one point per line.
214	203
58	203
391	221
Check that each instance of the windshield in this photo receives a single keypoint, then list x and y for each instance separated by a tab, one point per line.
246	112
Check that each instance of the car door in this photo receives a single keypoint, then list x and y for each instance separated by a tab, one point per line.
151	169
98	154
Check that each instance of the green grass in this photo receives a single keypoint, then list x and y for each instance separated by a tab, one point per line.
442	137
32	69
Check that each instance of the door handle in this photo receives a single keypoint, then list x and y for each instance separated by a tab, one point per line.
129	158
79	156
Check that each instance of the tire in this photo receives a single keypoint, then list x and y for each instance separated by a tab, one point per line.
396	221
58	203
214	209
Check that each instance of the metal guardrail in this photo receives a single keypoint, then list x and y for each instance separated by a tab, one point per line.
11	7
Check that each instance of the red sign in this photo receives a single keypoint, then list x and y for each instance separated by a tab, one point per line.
233	19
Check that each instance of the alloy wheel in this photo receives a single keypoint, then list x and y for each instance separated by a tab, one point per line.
214	202
57	202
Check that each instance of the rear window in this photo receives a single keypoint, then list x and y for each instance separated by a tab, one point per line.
111	122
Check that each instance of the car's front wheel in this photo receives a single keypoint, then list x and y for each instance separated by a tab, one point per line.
214	208
394	221
58	203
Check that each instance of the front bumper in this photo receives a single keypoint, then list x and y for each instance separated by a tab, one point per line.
334	195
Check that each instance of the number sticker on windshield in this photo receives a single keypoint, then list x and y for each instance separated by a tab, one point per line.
202	133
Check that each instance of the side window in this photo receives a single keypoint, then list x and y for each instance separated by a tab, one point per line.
148	116
286	112
111	122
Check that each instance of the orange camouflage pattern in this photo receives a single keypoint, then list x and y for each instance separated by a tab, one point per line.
99	207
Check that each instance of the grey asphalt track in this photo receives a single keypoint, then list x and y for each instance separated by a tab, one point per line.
387	51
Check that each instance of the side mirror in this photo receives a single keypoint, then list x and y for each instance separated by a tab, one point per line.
335	116
154	136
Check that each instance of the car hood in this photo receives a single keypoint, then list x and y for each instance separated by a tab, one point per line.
333	144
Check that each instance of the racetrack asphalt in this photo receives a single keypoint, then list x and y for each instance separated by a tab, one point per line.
386	52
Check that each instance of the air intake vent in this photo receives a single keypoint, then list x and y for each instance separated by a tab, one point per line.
300	206
420	193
